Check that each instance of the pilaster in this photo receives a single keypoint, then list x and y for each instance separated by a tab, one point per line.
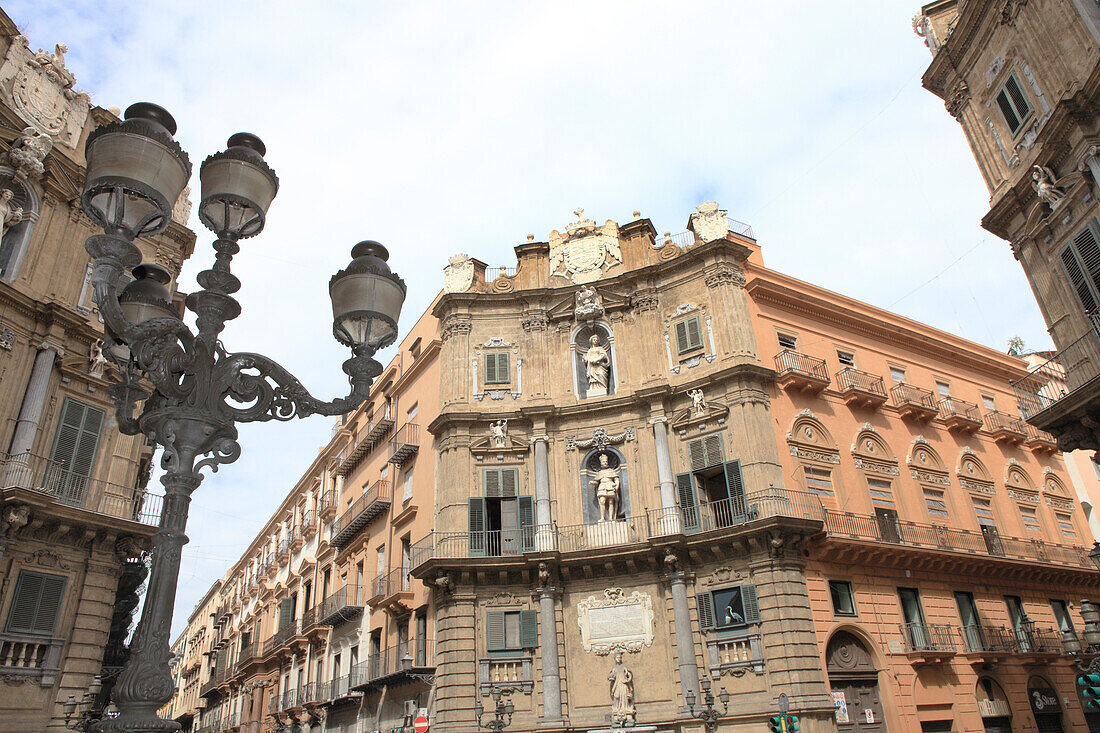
456	661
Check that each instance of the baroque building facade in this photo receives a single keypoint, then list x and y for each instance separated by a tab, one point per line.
1023	80
75	512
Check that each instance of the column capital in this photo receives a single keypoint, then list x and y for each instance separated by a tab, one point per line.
658	420
540	438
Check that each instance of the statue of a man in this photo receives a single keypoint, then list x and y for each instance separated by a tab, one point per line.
9	215
1042	181
698	402
97	360
499	432
607	490
622	691
597	366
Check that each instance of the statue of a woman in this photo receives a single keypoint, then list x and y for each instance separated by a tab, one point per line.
597	366
1042	181
9	215
622	691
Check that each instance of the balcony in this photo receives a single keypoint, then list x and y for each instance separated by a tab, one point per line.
1062	393
800	372
281	637
362	442
393	591
1040	441
246	657
309	526
328	506
24	657
283	554
41	475
914	403
373	502
735	656
296	539
928	643
960	416
845	526
1005	428
860	389
400	663
404	444
511	674
340	689
634	533
341	606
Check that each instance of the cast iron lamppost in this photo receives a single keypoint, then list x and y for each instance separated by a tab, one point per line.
709	714
502	716
136	172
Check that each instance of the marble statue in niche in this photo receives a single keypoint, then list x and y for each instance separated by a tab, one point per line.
499	433
10	215
622	692
1042	182
698	402
606	483
597	367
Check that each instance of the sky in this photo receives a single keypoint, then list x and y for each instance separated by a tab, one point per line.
443	127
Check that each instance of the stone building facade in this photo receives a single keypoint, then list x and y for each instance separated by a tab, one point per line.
1023	80
75	513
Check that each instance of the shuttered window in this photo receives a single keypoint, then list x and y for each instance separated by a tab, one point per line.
286	613
1081	259
882	494
728	607
689	335
819	481
36	604
983	510
935	501
74	451
705	452
1065	523
1013	104
497	368
1030	519
498	482
511	630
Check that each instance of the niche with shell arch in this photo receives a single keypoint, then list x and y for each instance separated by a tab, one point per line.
809	438
17	236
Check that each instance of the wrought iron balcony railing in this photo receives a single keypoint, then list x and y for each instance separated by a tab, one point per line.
1061	376
405	443
867	389
799	370
371	504
341	606
913	401
921	637
960	414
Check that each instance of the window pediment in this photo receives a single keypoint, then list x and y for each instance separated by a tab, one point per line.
808	438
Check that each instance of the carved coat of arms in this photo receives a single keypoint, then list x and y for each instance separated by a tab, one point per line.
42	92
709	222
584	251
458	275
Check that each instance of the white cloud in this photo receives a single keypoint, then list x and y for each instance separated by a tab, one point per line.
445	127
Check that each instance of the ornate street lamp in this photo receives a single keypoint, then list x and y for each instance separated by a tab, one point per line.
1094	554
709	714
136	172
502	715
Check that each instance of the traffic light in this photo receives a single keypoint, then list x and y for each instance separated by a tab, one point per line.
777	724
1090	690
792	724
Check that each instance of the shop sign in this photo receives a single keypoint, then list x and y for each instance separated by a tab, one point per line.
1043	699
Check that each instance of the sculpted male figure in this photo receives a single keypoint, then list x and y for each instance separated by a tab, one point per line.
607	490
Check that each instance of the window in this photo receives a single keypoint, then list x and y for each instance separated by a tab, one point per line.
705	452
414	349
844	603
983	509
408	493
1013	104
36	604
846	358
943	389
410	415
1065	523
786	341
1030	520
497	368
381	554
897	375
74	448
511	630
689	336
1061	615
936	502
988	403
819	480
1081	260
916	633
882	494
728	607
498	482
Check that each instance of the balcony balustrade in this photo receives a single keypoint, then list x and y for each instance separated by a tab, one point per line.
800	372
861	389
926	640
294	535
1066	380
396	663
281	637
960	416
308	526
1005	428
24	657
735	656
341	606
393	591
914	403
283	553
247	655
1040	441
404	444
35	473
372	503
514	674
362	442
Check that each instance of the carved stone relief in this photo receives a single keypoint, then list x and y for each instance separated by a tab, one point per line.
458	275
616	622
41	91
584	251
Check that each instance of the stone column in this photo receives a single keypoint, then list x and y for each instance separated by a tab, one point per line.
551	667
670	517
685	641
456	661
1091	163
34	399
544	535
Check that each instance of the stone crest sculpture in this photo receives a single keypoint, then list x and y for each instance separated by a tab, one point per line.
1042	182
584	251
709	222
499	433
10	215
698	402
597	367
588	304
28	153
458	275
622	692
606	484
42	90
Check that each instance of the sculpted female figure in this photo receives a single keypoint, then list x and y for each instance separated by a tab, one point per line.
622	691
597	366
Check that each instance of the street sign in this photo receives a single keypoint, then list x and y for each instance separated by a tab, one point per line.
420	725
784	703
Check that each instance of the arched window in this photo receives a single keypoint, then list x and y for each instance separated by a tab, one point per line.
594	362
17	234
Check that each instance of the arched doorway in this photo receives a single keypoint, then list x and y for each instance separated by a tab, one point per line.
993	706
1044	705
854	682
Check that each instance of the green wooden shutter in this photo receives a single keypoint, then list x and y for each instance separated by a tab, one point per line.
526	511
77	437
491	482
1018	99
705	605
1077	280
477	526
528	629
735	490
494	631
490	368
36	602
509	481
1009	114
694	333
682	343
286	610
705	452
685	489
503	376
752	608
497	369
